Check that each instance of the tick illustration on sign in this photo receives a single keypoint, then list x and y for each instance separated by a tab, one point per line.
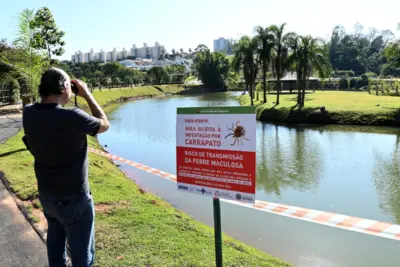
238	133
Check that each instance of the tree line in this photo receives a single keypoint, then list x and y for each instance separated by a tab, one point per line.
273	52
272	49
39	41
270	54
113	74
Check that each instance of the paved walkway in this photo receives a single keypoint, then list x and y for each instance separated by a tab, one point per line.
20	246
9	126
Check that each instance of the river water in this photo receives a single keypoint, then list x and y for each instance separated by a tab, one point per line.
341	169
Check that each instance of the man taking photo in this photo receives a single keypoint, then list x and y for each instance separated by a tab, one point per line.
56	137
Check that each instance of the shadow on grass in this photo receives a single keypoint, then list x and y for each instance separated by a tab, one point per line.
396	109
305	100
12	152
294	107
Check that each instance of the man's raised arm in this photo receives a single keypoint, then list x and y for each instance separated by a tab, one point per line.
95	108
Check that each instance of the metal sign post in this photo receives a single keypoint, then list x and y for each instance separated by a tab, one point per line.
217	232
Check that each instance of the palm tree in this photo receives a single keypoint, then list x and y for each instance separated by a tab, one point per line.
173	53
281	54
265	46
245	59
309	56
26	63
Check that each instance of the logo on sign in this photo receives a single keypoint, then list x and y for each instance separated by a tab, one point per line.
248	198
183	187
203	191
238	196
226	195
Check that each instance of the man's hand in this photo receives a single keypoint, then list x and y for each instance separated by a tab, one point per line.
97	111
83	90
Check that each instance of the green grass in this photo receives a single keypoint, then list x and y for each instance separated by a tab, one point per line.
358	108
106	96
133	228
172	88
140	227
190	78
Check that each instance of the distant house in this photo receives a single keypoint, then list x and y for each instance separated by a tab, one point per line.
289	82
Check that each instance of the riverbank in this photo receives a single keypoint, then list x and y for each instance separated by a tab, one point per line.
106	97
347	108
133	227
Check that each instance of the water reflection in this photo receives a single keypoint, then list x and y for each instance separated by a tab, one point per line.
387	179
287	158
342	169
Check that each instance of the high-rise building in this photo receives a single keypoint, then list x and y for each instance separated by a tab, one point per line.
133	51
223	45
124	54
114	55
91	55
80	56
102	56
97	56
158	50
109	56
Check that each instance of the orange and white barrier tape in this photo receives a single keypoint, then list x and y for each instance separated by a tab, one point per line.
366	226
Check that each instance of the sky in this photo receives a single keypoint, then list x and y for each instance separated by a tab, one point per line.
103	24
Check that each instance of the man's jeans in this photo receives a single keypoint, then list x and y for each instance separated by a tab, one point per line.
70	219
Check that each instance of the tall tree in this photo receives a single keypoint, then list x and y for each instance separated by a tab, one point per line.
358	52
281	54
176	72
265	46
245	60
309	56
158	75
337	34
97	75
27	60
211	68
112	70
47	35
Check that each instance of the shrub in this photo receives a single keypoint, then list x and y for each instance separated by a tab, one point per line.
390	70
371	74
343	83
259	86
353	82
13	91
343	73
364	81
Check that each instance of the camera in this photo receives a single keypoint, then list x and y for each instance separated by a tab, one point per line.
74	88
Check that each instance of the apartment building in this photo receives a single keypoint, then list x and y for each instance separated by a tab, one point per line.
151	52
223	45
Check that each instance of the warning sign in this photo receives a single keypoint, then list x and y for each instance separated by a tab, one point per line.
216	152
